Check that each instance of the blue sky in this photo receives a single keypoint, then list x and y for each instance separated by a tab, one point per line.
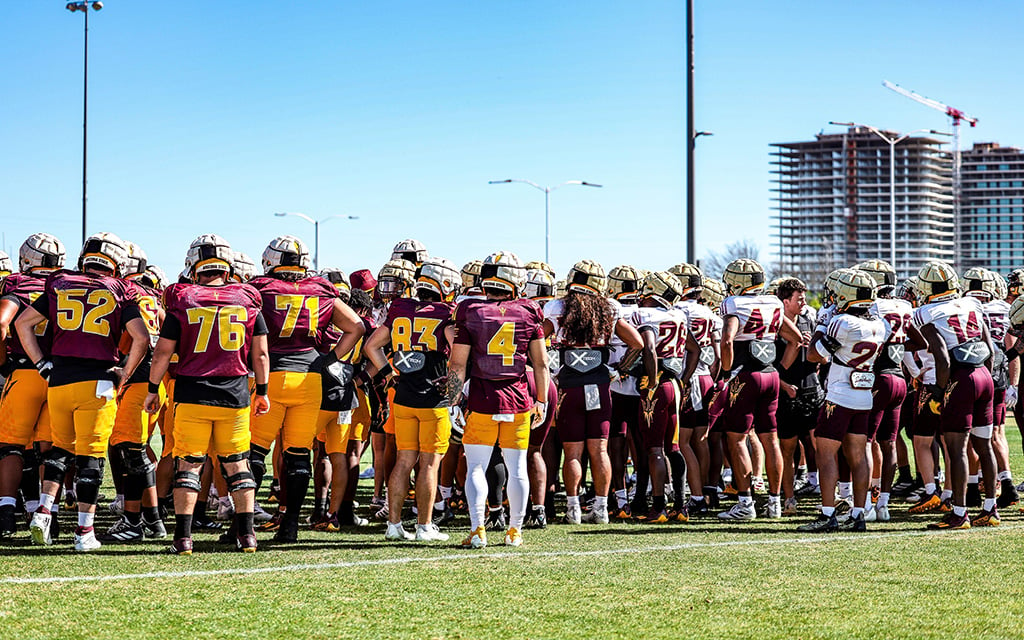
210	116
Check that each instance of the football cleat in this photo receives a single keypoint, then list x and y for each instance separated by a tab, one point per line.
1008	495
104	251
39	528
397	532
951	521
790	507
122	532
40	252
288	531
429	532
273	524
154	530
477	539
844	505
329	523
973	495
932	503
697	508
85	540
495	520
821	524
596	516
854	525
202	522
226	510
986	519
246	543
116	506
286	255
946	506
443	516
739	511
8	522
662	287
772	510
587	276
656	517
513	538
573	515
536	518
903	488
623	513
878	514
744	277
758	485
181	547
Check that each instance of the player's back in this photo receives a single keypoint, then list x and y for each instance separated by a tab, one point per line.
216	327
760	317
499	333
86	312
296	311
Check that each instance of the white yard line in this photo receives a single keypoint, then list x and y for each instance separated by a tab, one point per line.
460	556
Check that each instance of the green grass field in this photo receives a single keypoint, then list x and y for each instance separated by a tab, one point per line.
703	579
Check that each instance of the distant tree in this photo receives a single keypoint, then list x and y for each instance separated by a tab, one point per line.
715	262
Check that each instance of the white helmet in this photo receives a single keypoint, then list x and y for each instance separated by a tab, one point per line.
5	265
154	277
41	252
981	283
411	250
440	276
882	272
286	254
209	252
244	267
104	251
540	286
137	262
340	281
504	272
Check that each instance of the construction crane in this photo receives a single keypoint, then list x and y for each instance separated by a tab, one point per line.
956	115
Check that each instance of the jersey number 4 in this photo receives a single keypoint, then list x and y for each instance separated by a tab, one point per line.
756	327
503	343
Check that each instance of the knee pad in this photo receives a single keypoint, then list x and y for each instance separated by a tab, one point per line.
30	462
134	458
90	477
240	481
297	463
55	464
235	457
985	432
184	479
257	462
11	450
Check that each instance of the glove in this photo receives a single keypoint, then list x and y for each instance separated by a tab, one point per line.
458	419
45	368
540	411
1011	397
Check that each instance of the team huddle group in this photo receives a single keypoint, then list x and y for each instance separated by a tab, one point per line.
474	385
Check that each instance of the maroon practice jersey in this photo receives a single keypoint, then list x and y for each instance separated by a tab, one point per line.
88	314
499	334
215	327
24	289
296	311
419	351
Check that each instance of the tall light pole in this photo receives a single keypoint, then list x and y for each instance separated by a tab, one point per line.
691	198
316	230
84	7
547	193
691	137
892	142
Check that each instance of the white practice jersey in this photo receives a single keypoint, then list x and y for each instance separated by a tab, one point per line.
898	313
760	316
704	323
860	339
670	325
958	321
623	386
554	309
997	317
825	315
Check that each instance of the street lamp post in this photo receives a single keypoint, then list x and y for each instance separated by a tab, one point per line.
691	199
84	7
892	142
547	192
316	231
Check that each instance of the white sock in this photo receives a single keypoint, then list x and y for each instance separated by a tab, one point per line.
774	499
828	511
46	502
86	519
972	479
446	492
990	504
477	458
959	511
946	495
439	506
8	501
572	501
747	500
856	512
883	500
620	498
929	488
812	478
1004	475
845	489
31	506
518	487
600	503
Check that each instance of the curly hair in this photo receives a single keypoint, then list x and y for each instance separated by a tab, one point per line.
586	319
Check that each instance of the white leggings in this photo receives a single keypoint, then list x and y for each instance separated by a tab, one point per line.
478	456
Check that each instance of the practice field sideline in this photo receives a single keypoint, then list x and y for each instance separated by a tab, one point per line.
700	579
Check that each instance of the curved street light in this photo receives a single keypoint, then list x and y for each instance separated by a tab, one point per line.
316	230
84	7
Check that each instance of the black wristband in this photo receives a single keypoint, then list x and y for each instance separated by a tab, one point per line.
383	373
153	388
1011	354
261	389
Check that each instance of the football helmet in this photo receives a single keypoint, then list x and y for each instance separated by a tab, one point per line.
854	289
1001	290
340	281
471	274
907	290
154	278
106	251
714	293
587	276
937	282
828	292
209	252
5	265
394	278
1015	282
980	283
624	282
137	262
286	255
1017	314
663	287
882	272
690	276
540	285
39	252
503	271
440	276
560	288
542	266
744	277
772	288
245	268
411	250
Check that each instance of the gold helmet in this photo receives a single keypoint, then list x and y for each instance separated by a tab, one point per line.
1001	290
663	287
938	282
980	283
624	282
1015	282
828	292
541	266
744	277
1017	314
394	278
504	272
714	293
772	288
439	276
540	285
471	274
587	276
907	290
690	276
560	289
882	272
855	289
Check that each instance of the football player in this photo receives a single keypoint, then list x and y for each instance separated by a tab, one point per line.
5	265
539	287
243	268
670	356
419	332
496	337
471	281
410	250
24	418
582	324
959	339
752	321
216	327
90	309
297	308
133	425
